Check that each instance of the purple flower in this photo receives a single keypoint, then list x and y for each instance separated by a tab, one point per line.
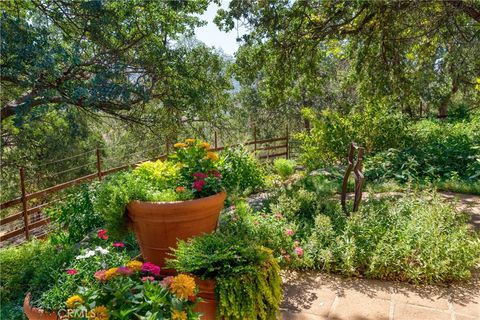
126	271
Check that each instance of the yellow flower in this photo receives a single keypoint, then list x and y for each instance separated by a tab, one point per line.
98	313
110	273
190	140
212	156
179	315
183	286
179	145
205	145
135	265
73	300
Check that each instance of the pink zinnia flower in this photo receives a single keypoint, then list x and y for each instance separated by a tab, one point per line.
102	234
100	275
126	271
199	184
289	232
118	244
166	281
72	272
299	251
200	175
149	278
151	268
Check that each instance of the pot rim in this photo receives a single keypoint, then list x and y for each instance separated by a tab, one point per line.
179	202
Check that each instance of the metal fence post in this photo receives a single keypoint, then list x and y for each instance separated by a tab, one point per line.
24	203
216	141
99	165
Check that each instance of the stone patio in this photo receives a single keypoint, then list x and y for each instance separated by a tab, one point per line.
315	296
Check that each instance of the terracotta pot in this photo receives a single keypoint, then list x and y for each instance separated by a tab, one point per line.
35	313
208	307
158	225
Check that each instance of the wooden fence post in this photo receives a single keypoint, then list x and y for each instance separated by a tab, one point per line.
255	138
216	141
287	143
99	165
24	203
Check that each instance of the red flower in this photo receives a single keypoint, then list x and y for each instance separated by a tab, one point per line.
192	298
118	244
199	184
72	272
180	189
200	175
102	234
216	173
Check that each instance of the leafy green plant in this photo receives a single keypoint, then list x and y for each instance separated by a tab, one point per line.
75	216
285	168
242	173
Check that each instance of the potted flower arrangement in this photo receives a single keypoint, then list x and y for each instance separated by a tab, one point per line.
102	282
164	201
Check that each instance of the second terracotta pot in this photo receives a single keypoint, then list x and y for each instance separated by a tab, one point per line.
158	225
35	313
208	307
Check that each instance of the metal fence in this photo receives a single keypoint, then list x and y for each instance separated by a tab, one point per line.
30	222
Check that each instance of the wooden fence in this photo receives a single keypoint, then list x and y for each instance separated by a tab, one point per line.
262	149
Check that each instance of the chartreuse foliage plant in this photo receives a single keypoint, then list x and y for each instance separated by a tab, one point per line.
284	167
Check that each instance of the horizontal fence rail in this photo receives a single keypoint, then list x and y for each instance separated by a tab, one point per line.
28	227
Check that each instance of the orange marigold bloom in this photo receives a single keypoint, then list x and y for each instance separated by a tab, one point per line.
190	140
135	265
180	189
212	156
183	286
73	301
179	145
179	315
110	273
98	313
205	145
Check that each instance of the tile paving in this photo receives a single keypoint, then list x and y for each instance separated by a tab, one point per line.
318	296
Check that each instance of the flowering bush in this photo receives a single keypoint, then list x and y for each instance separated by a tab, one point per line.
134	291
199	171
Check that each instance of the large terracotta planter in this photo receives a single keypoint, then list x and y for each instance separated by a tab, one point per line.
158	225
35	313
208	307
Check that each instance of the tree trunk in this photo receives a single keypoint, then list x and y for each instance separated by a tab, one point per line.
443	107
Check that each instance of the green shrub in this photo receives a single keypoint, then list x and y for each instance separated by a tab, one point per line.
248	282
285	168
28	268
75	216
242	173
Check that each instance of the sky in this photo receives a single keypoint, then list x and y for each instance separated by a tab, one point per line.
212	36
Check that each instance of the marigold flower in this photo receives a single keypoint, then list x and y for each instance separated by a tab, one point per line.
212	156
183	286
98	313
72	272
73	301
180	189
110	273
205	145
179	145
100	275
151	268
135	265
102	234
179	315
190	140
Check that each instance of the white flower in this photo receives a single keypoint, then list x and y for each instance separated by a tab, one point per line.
101	250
